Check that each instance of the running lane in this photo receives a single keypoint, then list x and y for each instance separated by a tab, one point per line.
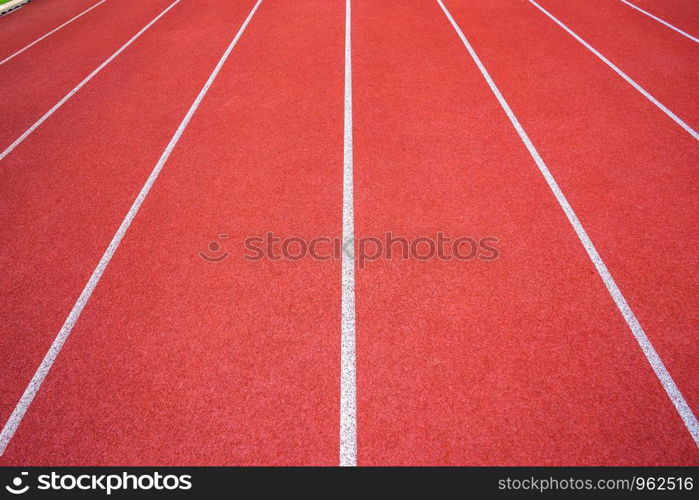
628	171
64	192
180	360
519	361
27	24
683	14
41	76
659	59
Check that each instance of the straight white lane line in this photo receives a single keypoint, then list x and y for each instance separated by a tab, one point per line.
683	33
618	71
38	378
80	85
348	376
643	341
51	32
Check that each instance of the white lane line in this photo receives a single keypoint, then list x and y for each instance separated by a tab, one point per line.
51	32
661	21
348	376
80	85
38	378
643	341
618	71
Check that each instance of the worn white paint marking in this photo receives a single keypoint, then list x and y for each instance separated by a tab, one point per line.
348	377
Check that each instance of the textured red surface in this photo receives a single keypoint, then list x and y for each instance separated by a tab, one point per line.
19	30
683	14
69	185
46	72
179	360
627	169
524	360
520	361
660	60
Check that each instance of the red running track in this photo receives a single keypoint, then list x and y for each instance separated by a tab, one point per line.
657	58
48	71
246	372
19	31
523	360
627	169
505	362
683	14
69	185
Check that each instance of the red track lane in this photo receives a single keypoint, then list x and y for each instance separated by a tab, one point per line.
683	14
38	78
628	171
524	360
67	189
659	59
33	21
177	360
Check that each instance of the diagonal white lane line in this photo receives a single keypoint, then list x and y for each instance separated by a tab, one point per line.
30	392
619	72
684	33
643	341
80	85
348	378
51	32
